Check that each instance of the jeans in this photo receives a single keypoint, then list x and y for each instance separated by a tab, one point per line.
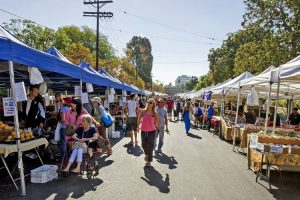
62	143
76	153
148	143
160	133
208	123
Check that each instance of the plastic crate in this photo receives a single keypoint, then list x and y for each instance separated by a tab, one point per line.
116	134
43	174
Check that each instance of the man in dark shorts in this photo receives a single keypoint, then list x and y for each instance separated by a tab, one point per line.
170	107
131	108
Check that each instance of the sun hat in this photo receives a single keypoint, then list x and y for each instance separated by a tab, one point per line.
97	99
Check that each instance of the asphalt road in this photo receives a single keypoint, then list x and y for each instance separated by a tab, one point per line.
195	167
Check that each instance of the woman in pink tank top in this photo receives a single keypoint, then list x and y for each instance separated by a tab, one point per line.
148	120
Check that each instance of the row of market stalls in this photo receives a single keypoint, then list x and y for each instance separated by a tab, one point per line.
21	65
267	142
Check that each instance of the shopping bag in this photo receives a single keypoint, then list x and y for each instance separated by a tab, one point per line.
57	132
191	116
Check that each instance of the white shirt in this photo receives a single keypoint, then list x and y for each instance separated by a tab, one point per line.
28	105
132	105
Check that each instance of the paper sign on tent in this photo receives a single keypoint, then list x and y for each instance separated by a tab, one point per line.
84	97
89	87
20	92
77	91
8	106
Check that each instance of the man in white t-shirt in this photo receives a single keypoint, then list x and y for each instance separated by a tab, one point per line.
131	108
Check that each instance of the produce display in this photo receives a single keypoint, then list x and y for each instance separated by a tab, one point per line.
8	134
230	120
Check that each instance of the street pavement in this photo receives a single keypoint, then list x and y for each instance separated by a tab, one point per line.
195	167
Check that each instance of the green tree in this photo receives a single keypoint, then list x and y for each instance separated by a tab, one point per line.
204	81
256	56
87	37
190	84
31	34
139	51
158	87
281	17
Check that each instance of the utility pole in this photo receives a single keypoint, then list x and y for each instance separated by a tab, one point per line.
97	14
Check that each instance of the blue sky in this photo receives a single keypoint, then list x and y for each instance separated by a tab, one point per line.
180	50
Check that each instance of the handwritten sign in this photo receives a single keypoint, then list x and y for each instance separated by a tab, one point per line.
20	92
77	91
84	97
89	87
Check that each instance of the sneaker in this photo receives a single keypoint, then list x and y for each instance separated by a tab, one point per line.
147	164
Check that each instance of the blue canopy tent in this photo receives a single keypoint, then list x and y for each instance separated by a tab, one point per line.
14	52
112	83
87	69
125	86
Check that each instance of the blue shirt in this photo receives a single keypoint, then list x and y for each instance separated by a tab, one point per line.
64	109
210	112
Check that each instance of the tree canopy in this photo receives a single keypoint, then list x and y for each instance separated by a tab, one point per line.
139	51
77	44
270	35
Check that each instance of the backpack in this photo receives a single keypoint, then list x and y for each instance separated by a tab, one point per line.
107	120
199	112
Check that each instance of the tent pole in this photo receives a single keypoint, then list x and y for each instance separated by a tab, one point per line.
276	106
222	114
268	105
16	122
81	85
236	117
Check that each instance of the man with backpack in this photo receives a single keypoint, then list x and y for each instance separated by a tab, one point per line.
197	114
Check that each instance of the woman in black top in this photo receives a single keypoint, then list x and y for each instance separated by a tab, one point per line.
85	138
250	116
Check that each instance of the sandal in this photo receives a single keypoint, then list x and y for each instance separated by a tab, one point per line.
65	172
148	164
74	171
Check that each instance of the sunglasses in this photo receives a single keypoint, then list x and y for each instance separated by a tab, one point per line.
150	102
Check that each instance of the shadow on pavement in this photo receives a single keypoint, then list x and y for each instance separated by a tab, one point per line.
135	150
194	136
63	188
154	178
287	188
165	159
103	162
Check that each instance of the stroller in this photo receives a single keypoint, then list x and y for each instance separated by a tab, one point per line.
89	165
52	151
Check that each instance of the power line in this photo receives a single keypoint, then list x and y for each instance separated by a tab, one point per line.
166	25
23	18
113	35
166	38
